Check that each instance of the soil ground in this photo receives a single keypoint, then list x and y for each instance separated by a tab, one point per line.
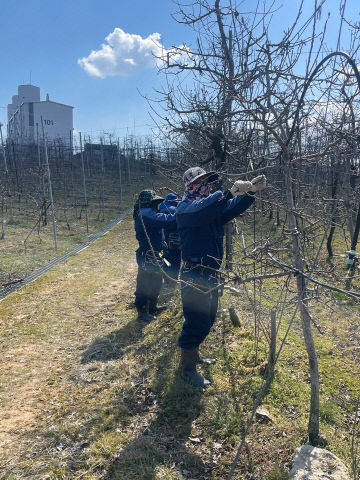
88	392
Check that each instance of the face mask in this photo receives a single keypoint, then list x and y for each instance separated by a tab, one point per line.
195	192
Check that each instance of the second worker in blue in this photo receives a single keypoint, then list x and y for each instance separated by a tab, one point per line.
149	225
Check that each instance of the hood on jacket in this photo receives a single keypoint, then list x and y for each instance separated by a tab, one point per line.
169	204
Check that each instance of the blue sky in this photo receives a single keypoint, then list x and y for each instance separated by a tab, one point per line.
48	37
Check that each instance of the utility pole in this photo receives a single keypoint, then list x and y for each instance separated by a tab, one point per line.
38	144
102	193
7	175
119	160
84	183
352	252
50	186
4	150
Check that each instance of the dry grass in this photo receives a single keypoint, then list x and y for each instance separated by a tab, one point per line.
87	392
18	259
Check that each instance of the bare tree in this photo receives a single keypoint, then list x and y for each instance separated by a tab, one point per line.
239	93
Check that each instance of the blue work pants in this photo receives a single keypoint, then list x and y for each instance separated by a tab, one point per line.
148	282
199	307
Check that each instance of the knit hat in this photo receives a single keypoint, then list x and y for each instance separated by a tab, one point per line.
194	173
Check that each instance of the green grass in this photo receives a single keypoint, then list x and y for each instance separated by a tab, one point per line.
18	260
99	394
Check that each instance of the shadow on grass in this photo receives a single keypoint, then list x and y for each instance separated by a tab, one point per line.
158	405
110	347
162	447
140	432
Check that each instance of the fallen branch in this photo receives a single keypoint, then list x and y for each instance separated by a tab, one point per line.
12	282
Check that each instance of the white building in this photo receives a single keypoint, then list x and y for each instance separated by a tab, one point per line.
25	113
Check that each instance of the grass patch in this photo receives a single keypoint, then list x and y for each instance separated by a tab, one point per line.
88	392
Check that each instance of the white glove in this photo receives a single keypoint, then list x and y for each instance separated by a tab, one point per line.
240	187
258	183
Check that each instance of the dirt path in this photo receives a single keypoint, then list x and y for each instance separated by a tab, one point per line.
45	328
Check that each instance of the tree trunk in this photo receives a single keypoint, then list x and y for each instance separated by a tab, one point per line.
313	425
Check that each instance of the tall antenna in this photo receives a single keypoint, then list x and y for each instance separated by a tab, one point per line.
30	77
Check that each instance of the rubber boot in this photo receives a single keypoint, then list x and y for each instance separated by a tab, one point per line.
189	359
154	308
205	361
144	315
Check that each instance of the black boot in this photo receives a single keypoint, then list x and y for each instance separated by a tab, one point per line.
205	361
144	315
189	359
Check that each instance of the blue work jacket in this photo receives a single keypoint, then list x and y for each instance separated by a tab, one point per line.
167	207
201	225
154	222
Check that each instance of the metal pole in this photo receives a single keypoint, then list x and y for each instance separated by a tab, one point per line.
102	178
352	252
128	165
119	159
4	149
50	187
21	125
84	183
38	144
7	177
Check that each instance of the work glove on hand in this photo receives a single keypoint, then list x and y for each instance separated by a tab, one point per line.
240	187
258	183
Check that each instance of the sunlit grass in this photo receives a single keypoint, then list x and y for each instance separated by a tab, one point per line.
100	394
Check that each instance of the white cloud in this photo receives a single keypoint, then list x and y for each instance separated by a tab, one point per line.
126	54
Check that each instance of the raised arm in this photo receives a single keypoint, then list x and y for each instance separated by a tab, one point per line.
155	219
243	192
237	205
200	212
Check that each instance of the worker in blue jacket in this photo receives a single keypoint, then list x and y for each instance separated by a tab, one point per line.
148	223
200	218
172	251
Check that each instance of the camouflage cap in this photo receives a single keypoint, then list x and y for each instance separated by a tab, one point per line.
149	196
